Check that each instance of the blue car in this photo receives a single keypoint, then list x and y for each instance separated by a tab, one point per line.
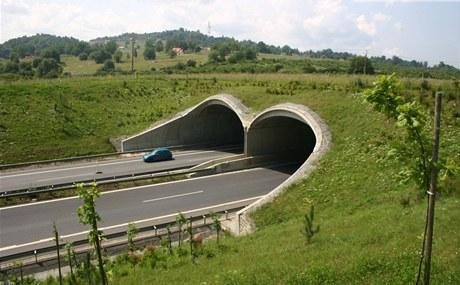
158	154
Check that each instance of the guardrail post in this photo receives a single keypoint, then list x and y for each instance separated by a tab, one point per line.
156	230
226	214
204	219
35	254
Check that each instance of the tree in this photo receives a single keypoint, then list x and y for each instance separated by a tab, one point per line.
169	239
172	54
309	231
131	233
191	63
149	53
49	68
180	220
11	67
250	54
14	57
108	66
117	56
415	149
56	239
287	50
71	259
25	68
83	56
262	47
362	65
111	46
51	53
159	46
88	216
190	239
216	224
100	55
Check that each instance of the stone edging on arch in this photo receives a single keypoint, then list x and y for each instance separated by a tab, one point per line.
243	223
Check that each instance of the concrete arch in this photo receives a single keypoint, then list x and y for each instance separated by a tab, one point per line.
218	120
294	114
282	131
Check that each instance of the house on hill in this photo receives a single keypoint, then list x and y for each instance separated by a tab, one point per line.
178	50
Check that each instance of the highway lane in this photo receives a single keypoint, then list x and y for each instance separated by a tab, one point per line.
75	172
32	222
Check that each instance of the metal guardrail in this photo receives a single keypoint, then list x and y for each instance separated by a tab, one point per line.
103	180
92	156
159	230
77	158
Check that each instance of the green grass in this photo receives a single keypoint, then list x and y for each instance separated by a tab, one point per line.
371	224
88	67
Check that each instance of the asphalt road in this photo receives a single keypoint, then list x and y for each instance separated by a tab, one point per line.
33	222
76	172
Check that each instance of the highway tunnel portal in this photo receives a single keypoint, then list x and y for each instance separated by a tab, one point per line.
285	131
281	133
214	122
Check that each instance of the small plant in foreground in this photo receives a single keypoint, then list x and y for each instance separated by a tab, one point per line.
309	230
71	260
88	216
131	233
190	234
216	224
180	220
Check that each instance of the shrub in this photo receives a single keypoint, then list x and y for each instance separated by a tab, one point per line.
191	63
100	55
83	56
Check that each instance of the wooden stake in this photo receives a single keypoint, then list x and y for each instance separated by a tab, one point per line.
432	192
56	237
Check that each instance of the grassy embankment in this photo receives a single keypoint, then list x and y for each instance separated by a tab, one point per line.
371	224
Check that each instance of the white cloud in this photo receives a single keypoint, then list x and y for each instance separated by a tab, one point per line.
398	26
370	27
365	26
324	13
382	18
392	51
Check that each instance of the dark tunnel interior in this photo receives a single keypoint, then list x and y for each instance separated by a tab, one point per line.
291	140
215	125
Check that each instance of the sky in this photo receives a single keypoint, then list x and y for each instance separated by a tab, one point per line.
420	30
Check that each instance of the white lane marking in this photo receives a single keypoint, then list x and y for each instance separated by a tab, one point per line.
98	165
134	222
63	177
173	196
135	188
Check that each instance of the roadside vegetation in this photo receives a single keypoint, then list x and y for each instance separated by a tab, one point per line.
371	221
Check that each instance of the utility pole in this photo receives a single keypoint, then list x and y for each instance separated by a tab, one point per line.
365	63
432	192
132	54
